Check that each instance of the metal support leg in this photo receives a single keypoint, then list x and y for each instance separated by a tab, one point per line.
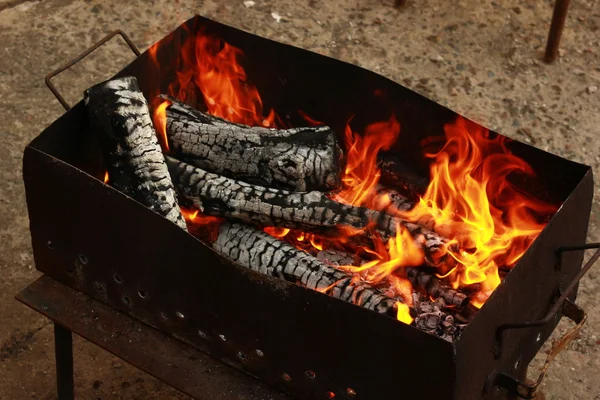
63	349
558	23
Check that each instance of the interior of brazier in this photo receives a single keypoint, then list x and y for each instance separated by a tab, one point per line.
400	206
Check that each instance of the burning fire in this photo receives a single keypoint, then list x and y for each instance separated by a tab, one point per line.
211	67
471	195
403	314
361	174
469	199
160	123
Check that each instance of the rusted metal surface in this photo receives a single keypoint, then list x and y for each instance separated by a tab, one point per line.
98	241
558	305
562	306
74	61
531	389
559	16
146	348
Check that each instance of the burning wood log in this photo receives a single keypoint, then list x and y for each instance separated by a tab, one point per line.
257	250
396	204
425	279
392	202
312	212
397	175
118	112
299	159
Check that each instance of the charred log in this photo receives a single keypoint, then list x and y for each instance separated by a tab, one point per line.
118	113
392	202
431	319
257	250
339	258
312	212
397	175
425	279
299	159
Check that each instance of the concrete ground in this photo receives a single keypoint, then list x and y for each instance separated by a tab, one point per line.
482	59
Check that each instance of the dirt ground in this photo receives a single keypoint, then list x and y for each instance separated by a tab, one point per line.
479	58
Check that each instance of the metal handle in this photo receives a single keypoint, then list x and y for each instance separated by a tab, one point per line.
563	306
74	61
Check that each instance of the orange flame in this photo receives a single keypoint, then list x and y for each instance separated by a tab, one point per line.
106	177
160	123
493	221
361	174
209	68
403	314
222	81
400	251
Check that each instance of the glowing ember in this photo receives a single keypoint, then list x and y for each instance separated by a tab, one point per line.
277	232
189	215
105	176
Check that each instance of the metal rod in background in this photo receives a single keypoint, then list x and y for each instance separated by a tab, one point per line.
558	23
63	350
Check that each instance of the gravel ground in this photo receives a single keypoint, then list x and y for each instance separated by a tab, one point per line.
479	58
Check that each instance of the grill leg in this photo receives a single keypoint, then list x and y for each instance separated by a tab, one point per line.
558	23
63	349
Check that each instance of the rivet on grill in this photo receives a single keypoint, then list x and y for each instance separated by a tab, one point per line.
83	259
98	287
126	300
259	353
142	293
118	278
286	377
202	334
242	356
517	365
50	245
350	392
539	337
179	315
223	338
330	395
164	315
311	374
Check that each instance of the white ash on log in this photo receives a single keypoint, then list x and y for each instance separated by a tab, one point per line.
299	159
312	211
425	279
339	258
257	250
431	319
118	113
